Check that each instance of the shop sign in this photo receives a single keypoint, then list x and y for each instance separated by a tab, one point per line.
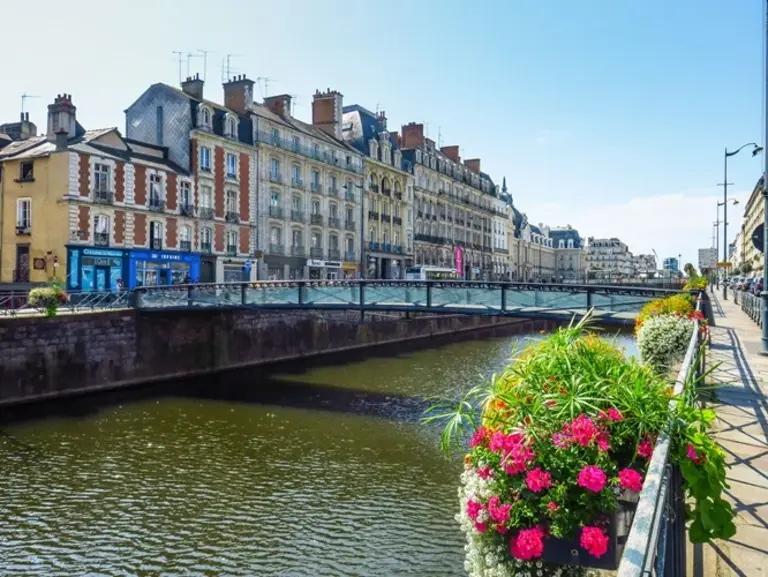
313	262
102	252
325	263
333	264
162	256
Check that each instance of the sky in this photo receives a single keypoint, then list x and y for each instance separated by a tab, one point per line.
609	115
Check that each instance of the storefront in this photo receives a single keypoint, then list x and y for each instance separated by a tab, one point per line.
96	269
284	267
325	269
350	269
162	267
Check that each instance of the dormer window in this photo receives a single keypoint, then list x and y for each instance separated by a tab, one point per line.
231	127
205	117
374	149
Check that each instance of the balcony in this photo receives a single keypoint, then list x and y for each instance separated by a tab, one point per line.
398	195
386	247
297	216
499	250
232	217
316	219
334	254
206	212
156	203
349	195
298	251
316	252
386	218
231	249
23	229
397	249
276	177
349	225
275	211
185	246
373	245
276	249
334	192
334	222
103	196
155	244
373	215
297	183
350	255
101	239
205	247
420	214
316	187
397	220
373	187
186	209
386	191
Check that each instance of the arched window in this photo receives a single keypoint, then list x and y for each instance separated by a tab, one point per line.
570	243
232	127
206	236
561	243
205	117
275	236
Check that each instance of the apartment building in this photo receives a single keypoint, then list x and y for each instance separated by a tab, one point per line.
452	204
570	261
501	225
753	219
289	183
93	209
608	259
388	190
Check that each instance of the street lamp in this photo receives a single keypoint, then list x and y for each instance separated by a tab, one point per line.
717	248
756	149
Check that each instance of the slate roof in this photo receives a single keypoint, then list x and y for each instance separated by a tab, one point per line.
360	125
565	234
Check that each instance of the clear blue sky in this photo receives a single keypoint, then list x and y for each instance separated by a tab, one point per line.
608	114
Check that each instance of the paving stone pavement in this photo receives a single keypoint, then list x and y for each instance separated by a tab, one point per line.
742	408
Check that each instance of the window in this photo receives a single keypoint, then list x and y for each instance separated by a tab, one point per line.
275	168
155	235
101	230
275	200
206	234
333	242
231	206
185	194
275	235
296	174
27	171
296	204
155	190
231	166
232	127
315	178
334	210
316	151
570	243
275	136
231	241
185	234
205	158
350	214
206	118
206	197
315	207
397	239
332	182
372	234
317	240
350	245
101	180
296	238
24	213
561	243
296	143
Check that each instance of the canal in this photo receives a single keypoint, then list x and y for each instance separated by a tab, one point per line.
315	470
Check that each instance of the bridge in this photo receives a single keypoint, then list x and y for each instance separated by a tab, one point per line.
612	304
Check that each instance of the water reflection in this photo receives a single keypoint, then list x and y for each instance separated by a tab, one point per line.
310	471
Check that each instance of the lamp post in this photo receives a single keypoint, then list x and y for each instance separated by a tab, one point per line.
755	150
724	204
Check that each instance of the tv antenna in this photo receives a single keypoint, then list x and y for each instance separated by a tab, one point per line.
180	58
228	68
190	56
205	61
266	81
24	99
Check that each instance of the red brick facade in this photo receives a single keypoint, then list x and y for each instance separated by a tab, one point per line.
171	191
244	239
140	229
141	184
218	237
218	193
85	175
84	220
119	226
245	180
171	226
120	182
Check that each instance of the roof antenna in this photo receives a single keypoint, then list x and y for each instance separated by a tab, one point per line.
24	99
265	80
190	56
229	68
205	62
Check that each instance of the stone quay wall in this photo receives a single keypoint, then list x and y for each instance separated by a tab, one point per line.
44	358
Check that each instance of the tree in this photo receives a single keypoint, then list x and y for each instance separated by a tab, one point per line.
690	270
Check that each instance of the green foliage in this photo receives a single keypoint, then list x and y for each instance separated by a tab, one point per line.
47	298
662	341
696	283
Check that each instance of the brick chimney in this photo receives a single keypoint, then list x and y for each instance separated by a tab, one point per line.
280	104
473	165
413	135
61	117
238	94
193	86
327	111
381	120
451	152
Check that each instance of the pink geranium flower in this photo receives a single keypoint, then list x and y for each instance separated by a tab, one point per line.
560	440
614	415
538	480
603	441
480	437
484	472
631	479
592	478
481	527
497	512
693	455
529	544
645	449
552	506
473	509
594	541
583	430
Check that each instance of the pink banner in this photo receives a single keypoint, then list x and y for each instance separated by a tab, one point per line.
458	257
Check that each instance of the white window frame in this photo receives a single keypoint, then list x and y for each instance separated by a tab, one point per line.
21	222
206	196
231	165
102	178
185	193
206	236
205	159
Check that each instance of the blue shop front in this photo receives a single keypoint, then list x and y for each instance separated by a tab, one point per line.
103	269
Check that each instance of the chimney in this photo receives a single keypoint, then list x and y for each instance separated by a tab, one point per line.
326	111
280	104
473	165
193	86
61	116
451	152
396	137
413	135
61	139
381	120
238	94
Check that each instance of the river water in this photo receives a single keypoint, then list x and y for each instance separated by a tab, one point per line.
313	470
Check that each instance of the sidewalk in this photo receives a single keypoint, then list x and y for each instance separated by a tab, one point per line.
742	409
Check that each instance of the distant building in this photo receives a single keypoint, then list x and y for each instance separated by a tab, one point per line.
671	263
644	265
570	261
707	258
19	130
608	259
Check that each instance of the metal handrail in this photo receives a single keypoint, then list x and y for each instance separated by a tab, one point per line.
656	541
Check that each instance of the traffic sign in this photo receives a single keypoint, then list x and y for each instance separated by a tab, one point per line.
758	237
